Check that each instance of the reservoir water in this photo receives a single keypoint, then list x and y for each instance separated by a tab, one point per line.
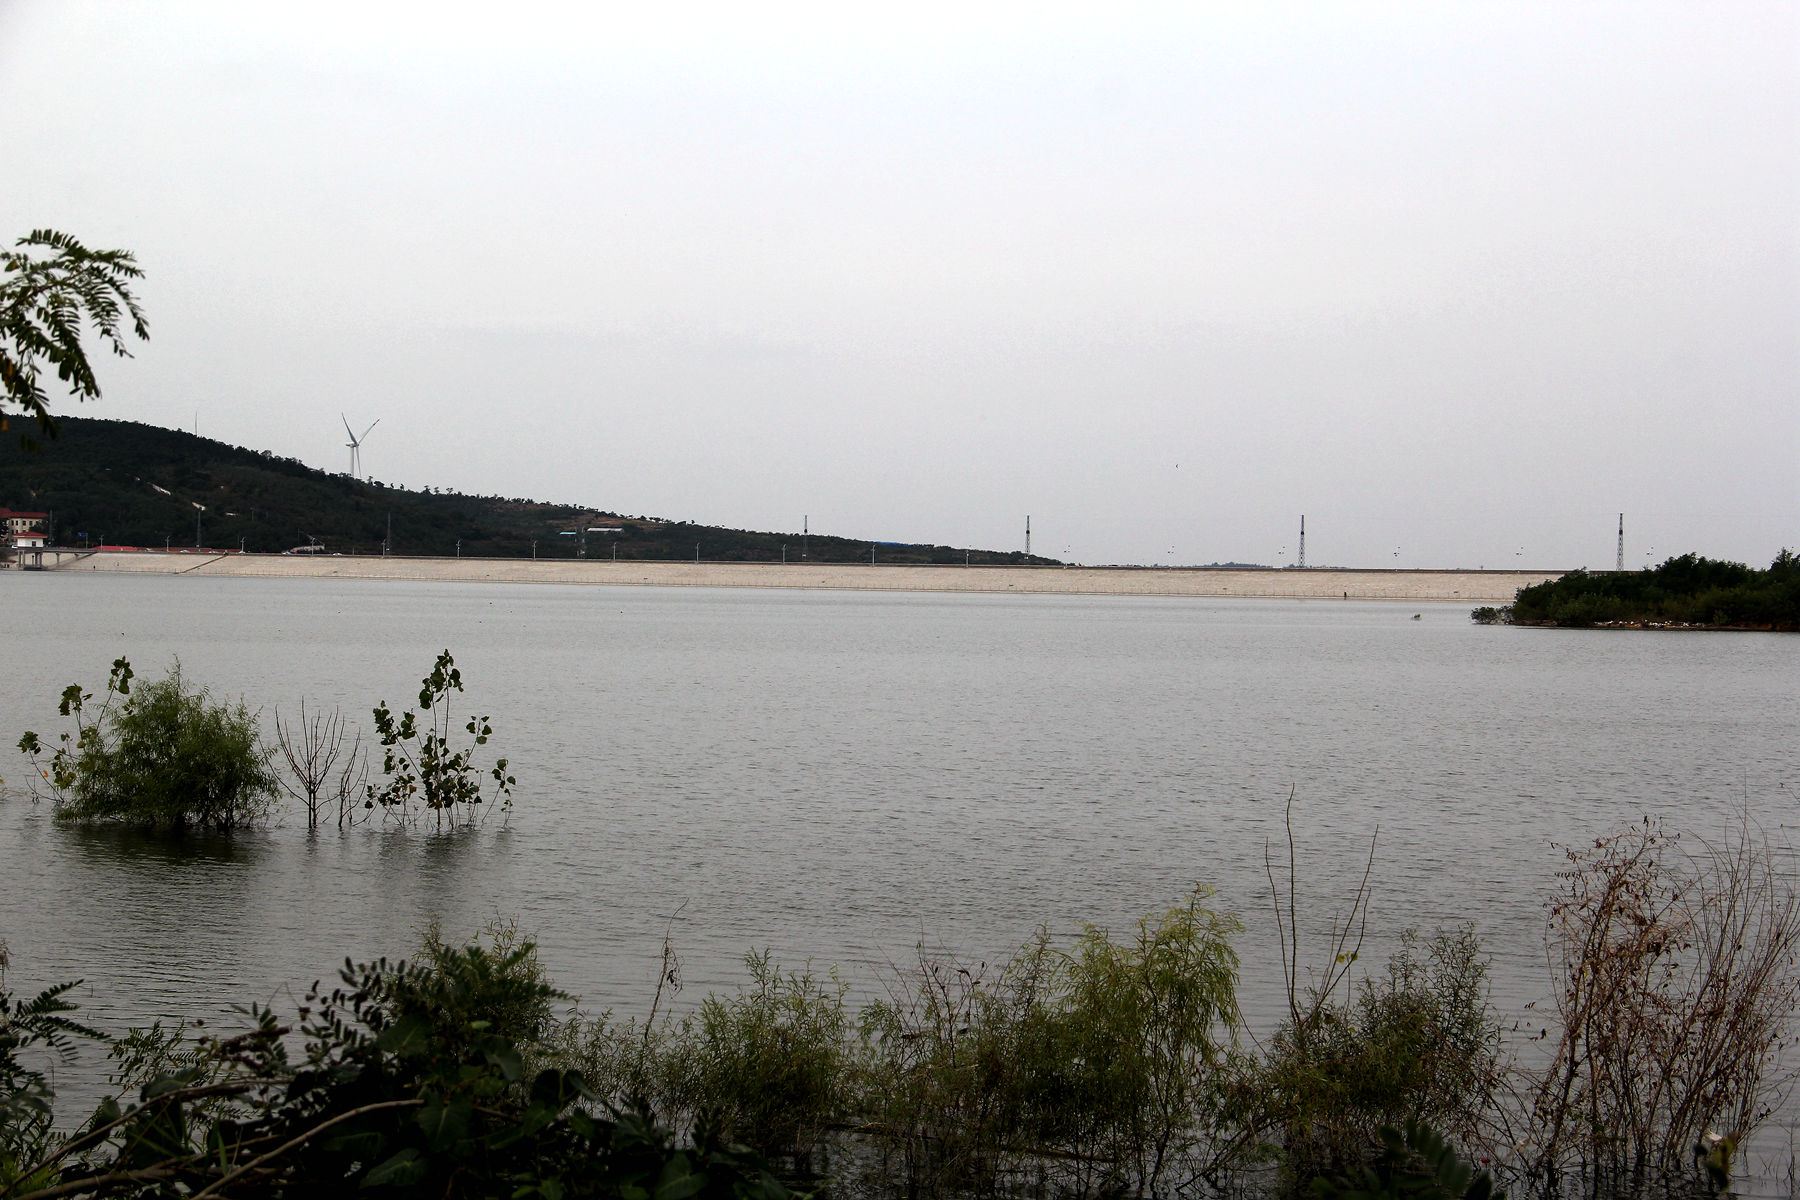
840	776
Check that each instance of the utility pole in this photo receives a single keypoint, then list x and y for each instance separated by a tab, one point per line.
803	528
1620	564
198	509
1028	535
459	547
387	543
1302	539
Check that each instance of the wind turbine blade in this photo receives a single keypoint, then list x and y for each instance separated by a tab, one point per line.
347	429
369	430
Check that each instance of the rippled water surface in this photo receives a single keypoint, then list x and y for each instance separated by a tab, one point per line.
836	776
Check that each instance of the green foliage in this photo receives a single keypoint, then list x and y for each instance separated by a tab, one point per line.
1110	1057
26	1119
164	757
419	761
770	1064
1417	1164
495	978
937	1069
1686	590
45	304
1418	1043
410	1083
1138	1039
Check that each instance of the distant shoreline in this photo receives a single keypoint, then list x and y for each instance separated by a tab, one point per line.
1264	583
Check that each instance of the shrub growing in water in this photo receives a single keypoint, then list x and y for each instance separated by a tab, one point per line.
1135	1043
1677	990
770	1064
1419	1043
1110	1058
165	757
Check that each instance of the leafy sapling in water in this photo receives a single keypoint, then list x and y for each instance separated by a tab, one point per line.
419	761
64	769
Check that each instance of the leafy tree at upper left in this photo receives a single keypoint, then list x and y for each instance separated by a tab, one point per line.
47	302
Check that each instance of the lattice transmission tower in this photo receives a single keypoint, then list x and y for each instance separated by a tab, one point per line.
1620	564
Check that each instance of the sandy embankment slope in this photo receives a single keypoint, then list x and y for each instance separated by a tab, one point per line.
1474	587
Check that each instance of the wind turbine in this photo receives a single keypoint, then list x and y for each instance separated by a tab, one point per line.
356	444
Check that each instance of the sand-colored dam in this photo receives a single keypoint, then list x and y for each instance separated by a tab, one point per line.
1474	587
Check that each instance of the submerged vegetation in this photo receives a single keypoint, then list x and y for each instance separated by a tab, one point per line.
1685	592
1101	1064
1098	1066
420	763
165	756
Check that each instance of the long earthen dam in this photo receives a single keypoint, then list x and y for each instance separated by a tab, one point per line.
1318	583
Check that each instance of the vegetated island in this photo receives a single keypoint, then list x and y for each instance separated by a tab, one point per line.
1686	592
132	484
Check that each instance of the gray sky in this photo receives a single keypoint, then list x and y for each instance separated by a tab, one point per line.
1459	282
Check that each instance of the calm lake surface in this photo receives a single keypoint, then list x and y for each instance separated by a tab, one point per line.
840	776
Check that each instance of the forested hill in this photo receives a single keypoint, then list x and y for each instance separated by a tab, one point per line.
138	485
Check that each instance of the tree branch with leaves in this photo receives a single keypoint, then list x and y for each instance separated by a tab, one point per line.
47	302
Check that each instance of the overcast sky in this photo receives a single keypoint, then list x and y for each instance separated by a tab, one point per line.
1459	282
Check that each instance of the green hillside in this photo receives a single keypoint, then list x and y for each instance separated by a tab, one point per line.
137	485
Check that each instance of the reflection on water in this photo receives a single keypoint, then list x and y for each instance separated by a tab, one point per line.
836	776
164	854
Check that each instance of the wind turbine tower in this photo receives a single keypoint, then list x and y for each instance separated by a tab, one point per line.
356	445
1620	564
1302	561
